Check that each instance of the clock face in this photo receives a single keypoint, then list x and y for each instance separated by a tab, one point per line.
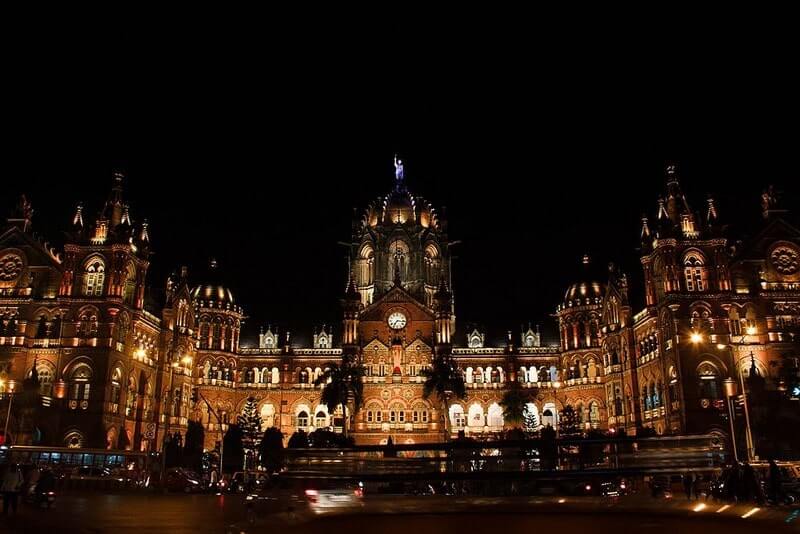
397	320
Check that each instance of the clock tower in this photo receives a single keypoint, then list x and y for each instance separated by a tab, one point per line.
400	263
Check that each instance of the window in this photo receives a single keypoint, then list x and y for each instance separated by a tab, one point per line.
457	418
594	413
116	390
321	419
735	323
695	272
708	381
129	290
80	383
267	416
94	277
302	419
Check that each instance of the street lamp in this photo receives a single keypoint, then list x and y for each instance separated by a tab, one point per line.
10	400
750	331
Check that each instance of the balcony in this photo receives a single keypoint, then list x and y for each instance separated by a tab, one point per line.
45	343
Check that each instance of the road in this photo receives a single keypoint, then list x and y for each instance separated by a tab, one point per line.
174	514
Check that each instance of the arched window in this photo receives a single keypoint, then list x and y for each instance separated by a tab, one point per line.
302	419
734	322
476	416
495	415
93	277
709	381
398	256
321	417
594	413
80	384
457	419
267	416
45	372
130	399
129	289
694	271
115	396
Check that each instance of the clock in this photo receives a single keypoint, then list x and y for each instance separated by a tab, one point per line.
397	320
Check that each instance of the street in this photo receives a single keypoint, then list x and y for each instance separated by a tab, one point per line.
177	513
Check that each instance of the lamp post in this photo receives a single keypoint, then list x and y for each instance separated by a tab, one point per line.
8	415
751	331
729	385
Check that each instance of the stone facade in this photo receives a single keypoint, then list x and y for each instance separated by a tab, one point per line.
113	372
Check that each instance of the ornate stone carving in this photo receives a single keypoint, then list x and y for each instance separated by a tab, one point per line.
785	259
10	267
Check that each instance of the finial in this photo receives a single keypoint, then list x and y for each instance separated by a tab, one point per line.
645	227
586	259
126	215
212	264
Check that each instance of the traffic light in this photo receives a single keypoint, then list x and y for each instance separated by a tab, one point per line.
194	394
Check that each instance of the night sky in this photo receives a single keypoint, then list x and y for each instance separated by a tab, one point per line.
254	146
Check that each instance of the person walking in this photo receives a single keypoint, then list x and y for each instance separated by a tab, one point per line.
775	480
688	483
10	487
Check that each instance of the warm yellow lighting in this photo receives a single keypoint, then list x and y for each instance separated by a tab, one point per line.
561	501
751	330
696	337
556	384
187	361
175	365
699	507
750	512
140	353
720	346
723	508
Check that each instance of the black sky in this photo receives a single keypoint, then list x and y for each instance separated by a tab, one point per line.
253	141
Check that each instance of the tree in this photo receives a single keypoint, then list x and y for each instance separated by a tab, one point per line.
343	384
514	403
530	421
193	446
233	458
445	381
568	421
249	421
270	450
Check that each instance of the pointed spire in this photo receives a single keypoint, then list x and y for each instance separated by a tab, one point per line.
711	214
114	204
645	228
662	210
352	292
126	215
77	220
144	236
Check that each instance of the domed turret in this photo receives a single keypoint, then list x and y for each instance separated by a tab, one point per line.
218	316
579	314
585	292
212	290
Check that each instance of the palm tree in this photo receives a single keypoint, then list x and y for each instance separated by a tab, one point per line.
343	383
443	379
514	403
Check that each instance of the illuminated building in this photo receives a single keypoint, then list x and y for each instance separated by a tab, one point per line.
107	364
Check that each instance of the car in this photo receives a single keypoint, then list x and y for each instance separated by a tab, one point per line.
183	480
314	495
94	473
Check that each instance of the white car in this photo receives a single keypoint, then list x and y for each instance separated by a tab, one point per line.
334	499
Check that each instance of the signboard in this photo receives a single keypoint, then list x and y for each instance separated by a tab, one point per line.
150	431
795	392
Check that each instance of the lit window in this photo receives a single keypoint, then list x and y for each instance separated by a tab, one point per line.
93	279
